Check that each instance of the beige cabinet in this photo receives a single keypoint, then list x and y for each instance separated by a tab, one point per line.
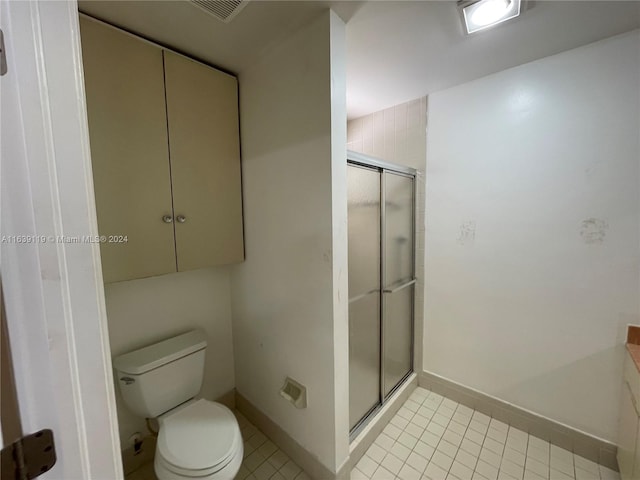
165	154
128	134
629	423
635	475
202	113
627	434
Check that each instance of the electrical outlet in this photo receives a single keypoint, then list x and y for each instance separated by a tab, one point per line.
133	459
135	439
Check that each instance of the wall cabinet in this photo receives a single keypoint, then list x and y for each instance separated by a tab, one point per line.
166	156
629	423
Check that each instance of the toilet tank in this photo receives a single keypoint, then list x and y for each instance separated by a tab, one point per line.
159	377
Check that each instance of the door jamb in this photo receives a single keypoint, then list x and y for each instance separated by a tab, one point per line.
52	278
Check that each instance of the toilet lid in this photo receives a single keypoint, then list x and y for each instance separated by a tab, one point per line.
201	436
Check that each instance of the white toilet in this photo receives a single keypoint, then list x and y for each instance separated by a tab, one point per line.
197	438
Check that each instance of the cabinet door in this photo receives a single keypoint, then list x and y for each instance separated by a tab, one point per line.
635	475
627	433
202	113
129	153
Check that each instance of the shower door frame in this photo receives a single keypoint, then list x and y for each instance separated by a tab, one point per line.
361	160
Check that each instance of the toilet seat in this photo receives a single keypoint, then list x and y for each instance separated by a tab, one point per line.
199	439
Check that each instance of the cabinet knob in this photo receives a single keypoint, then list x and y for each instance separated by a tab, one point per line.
167	219
181	218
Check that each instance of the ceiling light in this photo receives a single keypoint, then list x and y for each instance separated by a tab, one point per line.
486	13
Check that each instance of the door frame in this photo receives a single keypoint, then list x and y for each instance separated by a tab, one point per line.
365	161
49	259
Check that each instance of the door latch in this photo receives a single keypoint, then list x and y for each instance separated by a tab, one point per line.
3	55
28	457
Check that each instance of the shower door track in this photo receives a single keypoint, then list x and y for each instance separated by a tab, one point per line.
372	162
359	159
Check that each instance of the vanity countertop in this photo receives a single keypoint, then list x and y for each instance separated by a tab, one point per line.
634	350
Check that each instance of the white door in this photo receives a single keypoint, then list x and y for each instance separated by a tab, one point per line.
50	271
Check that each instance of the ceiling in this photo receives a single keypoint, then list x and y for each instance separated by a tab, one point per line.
396	50
231	46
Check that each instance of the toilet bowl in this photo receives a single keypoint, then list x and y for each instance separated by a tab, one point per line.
197	438
202	440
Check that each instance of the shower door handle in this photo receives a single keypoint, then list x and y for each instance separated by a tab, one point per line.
399	287
361	296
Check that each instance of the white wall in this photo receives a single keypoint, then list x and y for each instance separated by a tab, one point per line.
141	312
339	235
289	296
533	208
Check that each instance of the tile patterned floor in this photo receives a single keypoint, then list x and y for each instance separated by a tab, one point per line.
434	438
143	473
262	459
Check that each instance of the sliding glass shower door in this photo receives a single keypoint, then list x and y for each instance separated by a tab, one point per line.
381	282
398	274
364	291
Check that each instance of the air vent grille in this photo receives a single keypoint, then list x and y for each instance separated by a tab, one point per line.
223	10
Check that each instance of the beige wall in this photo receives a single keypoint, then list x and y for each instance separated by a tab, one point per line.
533	208
289	296
398	135
141	312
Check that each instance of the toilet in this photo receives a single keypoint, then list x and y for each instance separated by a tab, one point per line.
196	437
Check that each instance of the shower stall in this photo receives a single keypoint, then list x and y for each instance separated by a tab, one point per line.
381	214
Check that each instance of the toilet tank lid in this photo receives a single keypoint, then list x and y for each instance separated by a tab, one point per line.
153	356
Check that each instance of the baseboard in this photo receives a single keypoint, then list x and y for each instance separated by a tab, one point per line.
556	433
310	464
367	436
132	460
228	399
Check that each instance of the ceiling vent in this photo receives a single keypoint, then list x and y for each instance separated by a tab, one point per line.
223	10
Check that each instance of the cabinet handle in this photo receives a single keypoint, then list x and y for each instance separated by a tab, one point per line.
181	218
167	219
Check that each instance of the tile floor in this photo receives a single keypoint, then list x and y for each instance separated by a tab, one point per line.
430	438
434	438
262	459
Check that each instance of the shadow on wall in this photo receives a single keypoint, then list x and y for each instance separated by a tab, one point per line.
536	393
288	117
